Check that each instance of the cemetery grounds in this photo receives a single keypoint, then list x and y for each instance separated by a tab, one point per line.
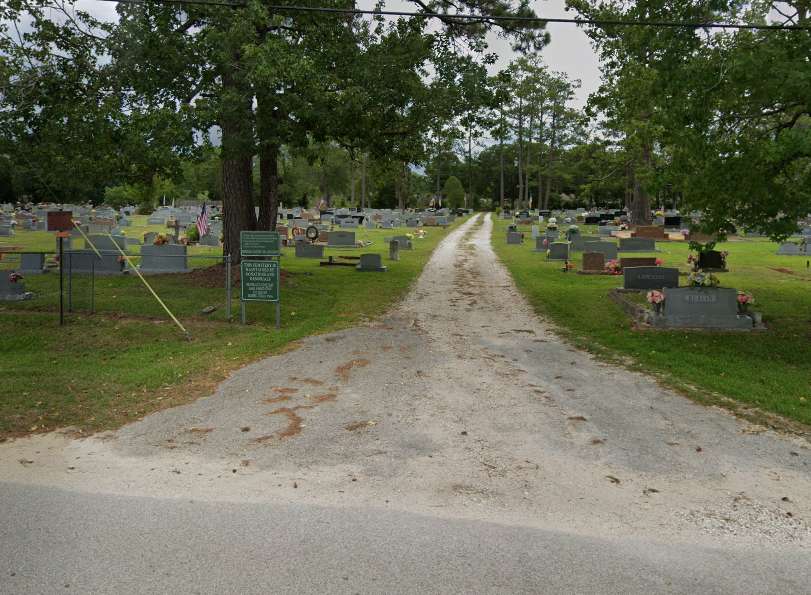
754	374
128	359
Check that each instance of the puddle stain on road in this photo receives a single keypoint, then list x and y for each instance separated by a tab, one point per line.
343	370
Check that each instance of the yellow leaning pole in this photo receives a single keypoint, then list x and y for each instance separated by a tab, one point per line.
86	239
149	287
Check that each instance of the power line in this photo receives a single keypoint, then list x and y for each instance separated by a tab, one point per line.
486	18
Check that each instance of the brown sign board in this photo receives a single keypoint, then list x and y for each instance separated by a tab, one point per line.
60	220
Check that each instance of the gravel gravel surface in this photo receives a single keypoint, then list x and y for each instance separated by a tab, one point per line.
460	404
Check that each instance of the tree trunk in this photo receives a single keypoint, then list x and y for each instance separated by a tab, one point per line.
438	162
363	182
352	183
552	156
268	187
640	204
403	187
529	160
469	165
540	159
236	122
520	151
501	161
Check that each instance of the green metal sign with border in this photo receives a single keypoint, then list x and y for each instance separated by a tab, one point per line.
259	281
259	243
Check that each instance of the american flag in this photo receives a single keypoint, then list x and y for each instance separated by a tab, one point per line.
202	222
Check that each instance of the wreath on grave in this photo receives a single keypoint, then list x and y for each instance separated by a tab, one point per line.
15	277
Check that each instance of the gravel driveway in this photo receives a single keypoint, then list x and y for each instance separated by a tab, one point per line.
459	404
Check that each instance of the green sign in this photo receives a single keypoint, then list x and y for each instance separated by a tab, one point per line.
259	243
260	281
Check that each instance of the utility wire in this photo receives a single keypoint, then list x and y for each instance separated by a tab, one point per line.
486	18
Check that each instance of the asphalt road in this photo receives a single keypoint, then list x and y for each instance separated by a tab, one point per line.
53	541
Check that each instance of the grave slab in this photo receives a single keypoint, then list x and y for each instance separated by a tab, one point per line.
647	277
370	263
637	245
702	307
558	251
609	249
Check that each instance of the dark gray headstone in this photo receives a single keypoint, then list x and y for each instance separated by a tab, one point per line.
404	241
103	243
166	258
700	307
342	239
87	261
209	240
12	291
650	277
790	249
307	250
711	260
371	263
515	237
558	251
609	249
637	245
31	264
394	250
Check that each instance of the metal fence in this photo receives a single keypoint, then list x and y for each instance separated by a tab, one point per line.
107	282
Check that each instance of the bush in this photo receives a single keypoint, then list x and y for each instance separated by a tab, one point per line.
192	235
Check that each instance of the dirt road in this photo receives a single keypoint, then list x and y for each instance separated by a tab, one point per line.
459	404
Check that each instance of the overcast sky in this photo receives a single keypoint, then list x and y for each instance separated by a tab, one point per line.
569	50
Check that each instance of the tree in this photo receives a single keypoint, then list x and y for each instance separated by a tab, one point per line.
454	193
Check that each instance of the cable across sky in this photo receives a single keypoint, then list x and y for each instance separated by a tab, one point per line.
514	20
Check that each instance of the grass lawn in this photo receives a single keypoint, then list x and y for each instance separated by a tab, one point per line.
747	372
128	359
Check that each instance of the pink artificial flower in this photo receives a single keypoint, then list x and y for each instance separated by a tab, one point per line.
656	297
659	262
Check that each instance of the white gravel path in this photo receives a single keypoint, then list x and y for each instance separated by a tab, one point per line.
461	404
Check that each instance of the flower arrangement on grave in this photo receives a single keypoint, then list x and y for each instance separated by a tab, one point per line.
656	299
744	300
160	240
699	278
546	242
659	262
613	267
15	277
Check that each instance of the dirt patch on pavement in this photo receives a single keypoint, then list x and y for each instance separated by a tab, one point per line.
343	370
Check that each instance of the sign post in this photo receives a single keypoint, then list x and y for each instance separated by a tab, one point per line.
260	270
61	222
